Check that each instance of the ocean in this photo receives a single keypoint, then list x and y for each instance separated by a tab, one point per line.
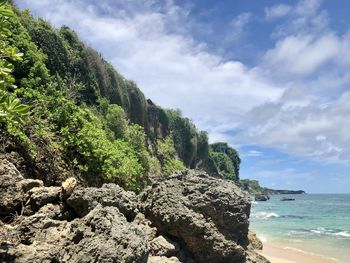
313	223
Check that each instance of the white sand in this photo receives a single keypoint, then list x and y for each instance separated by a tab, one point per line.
278	254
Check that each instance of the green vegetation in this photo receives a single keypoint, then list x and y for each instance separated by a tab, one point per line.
12	111
166	153
64	106
225	160
251	186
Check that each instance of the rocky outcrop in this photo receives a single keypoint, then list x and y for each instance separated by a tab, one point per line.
40	196
163	246
261	197
105	235
11	192
83	200
254	241
188	218
207	215
158	259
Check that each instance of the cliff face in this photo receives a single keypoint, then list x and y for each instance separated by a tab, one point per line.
190	217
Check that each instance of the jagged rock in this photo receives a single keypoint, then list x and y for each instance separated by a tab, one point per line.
83	200
40	196
68	187
162	246
253	257
209	215
11	193
255	241
208	218
39	226
103	235
158	259
28	184
261	197
146	226
53	211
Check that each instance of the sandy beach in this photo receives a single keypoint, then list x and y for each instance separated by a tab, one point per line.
280	254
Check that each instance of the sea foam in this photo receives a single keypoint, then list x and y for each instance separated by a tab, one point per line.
265	215
320	231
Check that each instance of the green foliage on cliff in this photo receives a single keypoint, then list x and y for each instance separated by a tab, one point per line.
184	135
84	111
251	186
166	153
224	160
12	111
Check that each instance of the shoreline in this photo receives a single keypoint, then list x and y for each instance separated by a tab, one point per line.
279	254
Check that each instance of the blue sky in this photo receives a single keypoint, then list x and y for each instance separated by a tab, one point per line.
269	77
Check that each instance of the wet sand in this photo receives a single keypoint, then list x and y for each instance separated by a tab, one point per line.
280	254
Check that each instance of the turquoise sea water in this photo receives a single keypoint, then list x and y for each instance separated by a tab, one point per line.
315	223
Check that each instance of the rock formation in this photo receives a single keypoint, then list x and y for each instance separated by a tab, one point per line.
189	217
254	241
261	197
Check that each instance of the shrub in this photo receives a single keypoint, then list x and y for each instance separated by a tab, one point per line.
116	120
167	155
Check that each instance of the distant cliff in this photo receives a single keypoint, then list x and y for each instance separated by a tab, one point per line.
253	187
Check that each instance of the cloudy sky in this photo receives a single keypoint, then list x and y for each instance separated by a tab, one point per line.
270	77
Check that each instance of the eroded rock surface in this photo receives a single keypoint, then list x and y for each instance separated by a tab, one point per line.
83	200
11	193
159	259
255	241
209	215
163	246
189	217
104	235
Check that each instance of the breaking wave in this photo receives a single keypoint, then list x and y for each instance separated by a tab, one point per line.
320	231
268	215
264	215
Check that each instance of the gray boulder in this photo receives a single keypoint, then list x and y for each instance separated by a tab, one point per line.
261	197
163	246
159	259
11	193
28	184
83	200
146	226
208	215
40	196
104	235
254	241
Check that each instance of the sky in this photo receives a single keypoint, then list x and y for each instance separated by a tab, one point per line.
269	77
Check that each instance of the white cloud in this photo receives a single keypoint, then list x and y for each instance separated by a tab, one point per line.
318	132
169	66
238	24
277	11
308	7
253	153
304	54
311	118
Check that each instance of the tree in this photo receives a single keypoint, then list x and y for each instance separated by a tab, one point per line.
116	120
226	160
